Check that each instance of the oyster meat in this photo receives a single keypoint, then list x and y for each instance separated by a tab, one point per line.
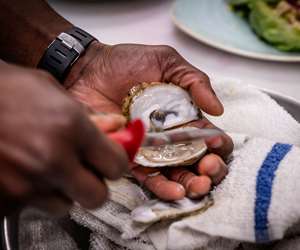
161	107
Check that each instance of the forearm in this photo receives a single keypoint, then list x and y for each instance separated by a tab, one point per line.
27	28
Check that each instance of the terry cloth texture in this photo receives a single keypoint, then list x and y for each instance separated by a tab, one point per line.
257	202
39	231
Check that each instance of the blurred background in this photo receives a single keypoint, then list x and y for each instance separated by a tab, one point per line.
150	22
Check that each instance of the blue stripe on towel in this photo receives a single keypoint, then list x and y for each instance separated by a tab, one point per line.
264	182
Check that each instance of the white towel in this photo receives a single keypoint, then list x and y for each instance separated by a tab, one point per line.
257	202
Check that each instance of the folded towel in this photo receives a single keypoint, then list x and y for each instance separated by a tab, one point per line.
257	202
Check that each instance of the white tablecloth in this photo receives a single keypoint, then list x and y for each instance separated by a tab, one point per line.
149	22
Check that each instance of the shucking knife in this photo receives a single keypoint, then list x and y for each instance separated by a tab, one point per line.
133	137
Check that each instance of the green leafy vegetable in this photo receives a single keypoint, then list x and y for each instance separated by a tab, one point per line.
275	21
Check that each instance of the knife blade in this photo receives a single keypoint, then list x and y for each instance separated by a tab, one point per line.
177	136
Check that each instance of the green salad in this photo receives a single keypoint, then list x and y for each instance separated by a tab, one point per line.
275	21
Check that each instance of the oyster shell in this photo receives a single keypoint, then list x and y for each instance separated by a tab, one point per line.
171	155
155	210
146	98
162	107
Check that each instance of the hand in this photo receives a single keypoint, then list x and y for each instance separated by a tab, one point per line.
50	152
103	77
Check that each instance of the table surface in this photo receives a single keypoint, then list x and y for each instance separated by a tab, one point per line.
149	22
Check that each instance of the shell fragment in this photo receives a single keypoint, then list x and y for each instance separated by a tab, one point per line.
156	210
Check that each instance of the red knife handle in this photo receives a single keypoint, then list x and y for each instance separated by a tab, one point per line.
130	138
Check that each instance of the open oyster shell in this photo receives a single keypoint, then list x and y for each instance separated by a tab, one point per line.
173	108
148	97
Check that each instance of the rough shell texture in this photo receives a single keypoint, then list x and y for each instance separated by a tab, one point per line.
171	155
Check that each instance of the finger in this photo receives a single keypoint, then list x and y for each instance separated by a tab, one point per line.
15	190
221	145
213	166
102	154
93	99
159	184
195	186
83	186
199	86
14	184
180	72
54	204
108	122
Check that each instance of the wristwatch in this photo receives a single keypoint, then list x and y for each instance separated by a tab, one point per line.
64	51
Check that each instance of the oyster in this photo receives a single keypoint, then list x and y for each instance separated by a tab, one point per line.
162	107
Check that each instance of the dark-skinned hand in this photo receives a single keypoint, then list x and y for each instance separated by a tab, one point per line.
102	78
51	153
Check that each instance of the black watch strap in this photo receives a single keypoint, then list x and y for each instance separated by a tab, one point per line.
63	52
83	37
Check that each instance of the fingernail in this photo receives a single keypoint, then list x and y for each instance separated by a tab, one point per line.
180	188
215	142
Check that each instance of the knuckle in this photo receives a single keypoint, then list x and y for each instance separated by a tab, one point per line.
168	49
47	159
204	79
169	56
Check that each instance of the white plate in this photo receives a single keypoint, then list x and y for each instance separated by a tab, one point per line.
213	23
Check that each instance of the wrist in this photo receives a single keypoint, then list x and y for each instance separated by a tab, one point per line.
28	27
79	67
65	50
45	38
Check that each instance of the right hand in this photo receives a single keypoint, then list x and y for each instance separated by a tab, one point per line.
51	154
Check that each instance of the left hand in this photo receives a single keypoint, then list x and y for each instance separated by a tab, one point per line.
102	78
